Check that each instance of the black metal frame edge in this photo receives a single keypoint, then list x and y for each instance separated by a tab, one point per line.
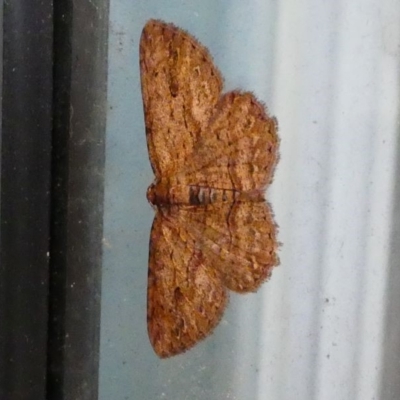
52	198
80	72
25	197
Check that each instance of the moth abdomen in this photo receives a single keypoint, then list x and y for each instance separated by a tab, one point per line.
162	193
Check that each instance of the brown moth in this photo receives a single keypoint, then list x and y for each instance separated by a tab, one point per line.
213	155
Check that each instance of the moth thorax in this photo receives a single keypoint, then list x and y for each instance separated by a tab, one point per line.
163	193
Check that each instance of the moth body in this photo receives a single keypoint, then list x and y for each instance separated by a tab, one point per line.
163	193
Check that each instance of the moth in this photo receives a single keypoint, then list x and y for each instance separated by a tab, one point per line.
213	155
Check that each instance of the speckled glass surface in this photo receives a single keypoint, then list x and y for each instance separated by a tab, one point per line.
323	326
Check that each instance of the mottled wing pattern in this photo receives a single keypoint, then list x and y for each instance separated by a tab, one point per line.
180	88
238	240
199	138
185	297
238	149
